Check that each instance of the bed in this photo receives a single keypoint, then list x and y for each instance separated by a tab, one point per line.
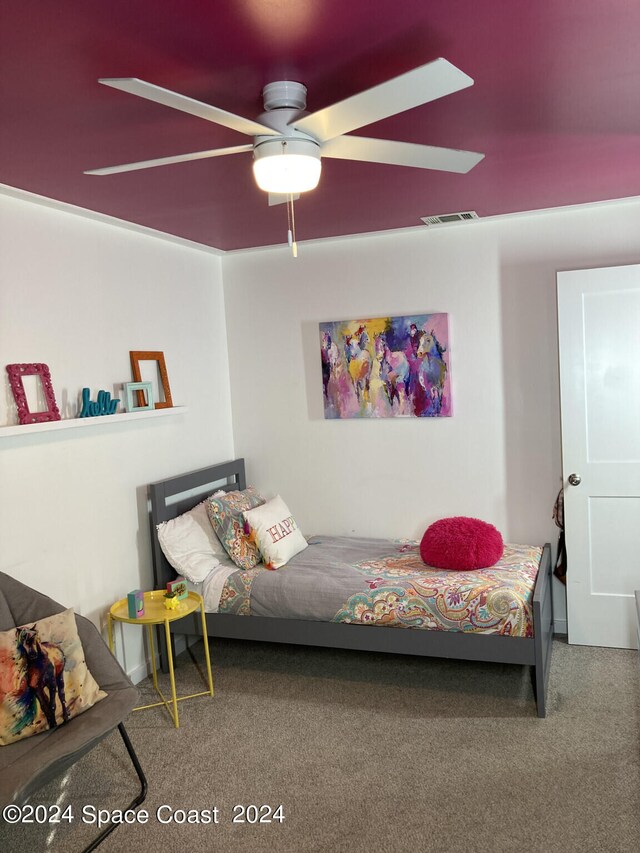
174	496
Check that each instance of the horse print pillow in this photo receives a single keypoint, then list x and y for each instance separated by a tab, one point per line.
226	516
44	680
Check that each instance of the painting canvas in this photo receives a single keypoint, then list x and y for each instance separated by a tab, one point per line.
387	367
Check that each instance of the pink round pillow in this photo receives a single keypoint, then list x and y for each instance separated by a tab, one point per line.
461	544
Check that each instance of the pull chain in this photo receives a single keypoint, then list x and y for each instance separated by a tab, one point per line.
291	227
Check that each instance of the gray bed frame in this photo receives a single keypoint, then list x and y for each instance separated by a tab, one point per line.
169	499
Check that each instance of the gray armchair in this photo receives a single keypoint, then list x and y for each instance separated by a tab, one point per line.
28	764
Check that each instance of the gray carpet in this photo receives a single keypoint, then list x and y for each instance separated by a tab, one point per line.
372	752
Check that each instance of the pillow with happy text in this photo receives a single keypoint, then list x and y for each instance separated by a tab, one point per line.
461	544
44	679
275	532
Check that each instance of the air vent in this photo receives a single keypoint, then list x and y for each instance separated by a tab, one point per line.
445	218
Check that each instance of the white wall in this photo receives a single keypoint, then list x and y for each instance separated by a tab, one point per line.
498	457
78	295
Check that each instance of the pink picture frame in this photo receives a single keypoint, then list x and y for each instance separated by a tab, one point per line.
16	374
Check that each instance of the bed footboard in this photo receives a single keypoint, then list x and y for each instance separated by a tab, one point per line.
543	631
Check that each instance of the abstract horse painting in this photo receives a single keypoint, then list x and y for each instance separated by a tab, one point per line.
43	678
386	367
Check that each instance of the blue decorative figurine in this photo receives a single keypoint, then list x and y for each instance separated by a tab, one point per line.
104	405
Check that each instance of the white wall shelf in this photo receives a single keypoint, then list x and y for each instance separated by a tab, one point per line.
101	420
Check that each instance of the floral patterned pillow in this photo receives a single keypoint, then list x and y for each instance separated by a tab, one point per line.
44	679
225	514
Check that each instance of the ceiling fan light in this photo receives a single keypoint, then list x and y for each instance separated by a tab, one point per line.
291	168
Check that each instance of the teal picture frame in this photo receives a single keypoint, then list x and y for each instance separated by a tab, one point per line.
131	389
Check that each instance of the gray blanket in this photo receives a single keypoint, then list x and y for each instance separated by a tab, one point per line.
385	582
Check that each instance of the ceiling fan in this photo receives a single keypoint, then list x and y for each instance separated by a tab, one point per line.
288	143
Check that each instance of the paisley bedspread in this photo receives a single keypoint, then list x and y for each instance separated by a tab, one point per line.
385	582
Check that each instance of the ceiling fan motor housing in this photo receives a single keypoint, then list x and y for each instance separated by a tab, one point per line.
284	94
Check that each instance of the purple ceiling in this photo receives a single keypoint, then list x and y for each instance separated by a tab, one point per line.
555	106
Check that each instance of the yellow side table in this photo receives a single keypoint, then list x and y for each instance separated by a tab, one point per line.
155	613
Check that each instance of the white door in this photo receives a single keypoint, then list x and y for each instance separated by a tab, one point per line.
599	335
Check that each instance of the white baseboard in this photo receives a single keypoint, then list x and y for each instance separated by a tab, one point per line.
560	626
143	670
139	673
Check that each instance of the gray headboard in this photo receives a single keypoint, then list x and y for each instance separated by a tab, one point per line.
194	487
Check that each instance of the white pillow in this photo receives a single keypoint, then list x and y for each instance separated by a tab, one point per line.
190	544
276	532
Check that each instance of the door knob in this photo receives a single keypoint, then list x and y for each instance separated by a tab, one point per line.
575	479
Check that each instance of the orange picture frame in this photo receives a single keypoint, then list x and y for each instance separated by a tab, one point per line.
143	355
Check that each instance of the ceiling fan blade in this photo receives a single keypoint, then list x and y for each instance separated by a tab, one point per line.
282	198
167	161
401	154
424	84
187	105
